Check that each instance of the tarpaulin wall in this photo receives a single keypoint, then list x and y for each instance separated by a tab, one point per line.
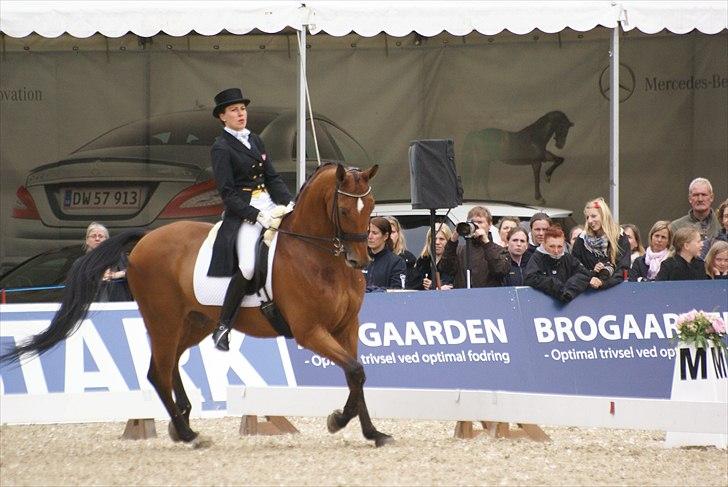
58	94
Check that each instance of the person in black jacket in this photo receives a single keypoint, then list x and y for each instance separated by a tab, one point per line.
386	269
519	254
646	267
249	187
603	248
424	263
488	261
399	247
685	264
555	272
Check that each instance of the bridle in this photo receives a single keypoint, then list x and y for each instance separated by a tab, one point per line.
337	241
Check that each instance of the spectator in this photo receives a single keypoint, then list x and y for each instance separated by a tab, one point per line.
519	256
399	247
114	286
635	240
424	263
386	270
505	225
573	235
538	223
723	216
555	272
716	263
602	247
646	267
685	263
701	215
488	261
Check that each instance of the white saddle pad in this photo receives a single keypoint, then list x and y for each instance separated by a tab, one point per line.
211	290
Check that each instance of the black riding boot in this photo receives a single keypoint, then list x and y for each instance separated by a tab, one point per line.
230	307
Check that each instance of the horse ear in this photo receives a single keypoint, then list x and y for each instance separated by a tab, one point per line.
340	173
372	171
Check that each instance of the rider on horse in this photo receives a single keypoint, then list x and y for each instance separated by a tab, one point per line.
250	189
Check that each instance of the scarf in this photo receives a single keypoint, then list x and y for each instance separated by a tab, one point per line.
596	245
543	251
654	260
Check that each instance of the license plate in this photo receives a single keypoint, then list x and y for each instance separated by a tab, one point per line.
119	198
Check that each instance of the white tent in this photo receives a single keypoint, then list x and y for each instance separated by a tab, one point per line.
396	18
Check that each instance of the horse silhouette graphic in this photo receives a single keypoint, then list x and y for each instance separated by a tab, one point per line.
527	146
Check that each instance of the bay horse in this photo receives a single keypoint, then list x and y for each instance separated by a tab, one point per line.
525	147
317	283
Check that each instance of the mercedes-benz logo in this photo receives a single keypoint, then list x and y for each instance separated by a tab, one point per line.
626	82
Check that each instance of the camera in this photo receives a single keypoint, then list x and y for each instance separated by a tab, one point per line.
605	273
466	229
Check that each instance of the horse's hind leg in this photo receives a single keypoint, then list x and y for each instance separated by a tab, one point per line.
181	400
321	342
163	375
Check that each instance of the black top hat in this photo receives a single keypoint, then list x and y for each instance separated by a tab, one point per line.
228	97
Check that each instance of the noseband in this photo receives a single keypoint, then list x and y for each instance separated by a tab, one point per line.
339	235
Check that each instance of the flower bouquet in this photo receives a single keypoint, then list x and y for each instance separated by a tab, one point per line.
700	329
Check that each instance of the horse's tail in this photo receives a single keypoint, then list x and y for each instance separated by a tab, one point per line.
82	285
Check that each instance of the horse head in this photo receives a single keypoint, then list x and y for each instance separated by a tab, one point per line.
561	129
350	208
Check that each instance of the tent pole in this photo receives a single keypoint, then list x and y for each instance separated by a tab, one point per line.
301	139
614	124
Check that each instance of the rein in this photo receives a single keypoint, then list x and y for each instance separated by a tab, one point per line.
340	237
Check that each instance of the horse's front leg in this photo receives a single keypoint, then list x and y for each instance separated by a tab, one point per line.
322	342
556	162
536	165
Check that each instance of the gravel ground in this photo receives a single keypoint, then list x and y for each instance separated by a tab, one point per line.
425	454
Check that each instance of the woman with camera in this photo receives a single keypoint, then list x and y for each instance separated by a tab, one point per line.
603	248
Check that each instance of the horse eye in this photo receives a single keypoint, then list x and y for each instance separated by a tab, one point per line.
345	211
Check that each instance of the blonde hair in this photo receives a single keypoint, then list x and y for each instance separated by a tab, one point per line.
480	211
611	229
401	245
439	228
682	236
661	225
718	247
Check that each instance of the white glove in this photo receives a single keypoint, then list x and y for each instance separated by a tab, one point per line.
290	206
264	219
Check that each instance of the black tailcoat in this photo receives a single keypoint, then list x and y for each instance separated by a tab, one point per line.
238	172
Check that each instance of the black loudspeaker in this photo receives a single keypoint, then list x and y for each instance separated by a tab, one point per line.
434	182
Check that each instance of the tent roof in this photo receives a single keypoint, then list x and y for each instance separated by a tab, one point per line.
396	18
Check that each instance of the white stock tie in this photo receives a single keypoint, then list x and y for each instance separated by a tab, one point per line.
242	136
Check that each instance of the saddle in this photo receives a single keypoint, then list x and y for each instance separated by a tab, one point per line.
257	285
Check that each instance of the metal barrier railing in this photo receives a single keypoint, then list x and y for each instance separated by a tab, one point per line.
4	292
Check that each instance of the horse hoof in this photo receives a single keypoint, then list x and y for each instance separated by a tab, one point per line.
331	422
384	440
173	432
201	442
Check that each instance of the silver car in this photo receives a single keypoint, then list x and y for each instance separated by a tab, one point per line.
153	171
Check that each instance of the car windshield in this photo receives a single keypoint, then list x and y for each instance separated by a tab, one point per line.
185	128
43	270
